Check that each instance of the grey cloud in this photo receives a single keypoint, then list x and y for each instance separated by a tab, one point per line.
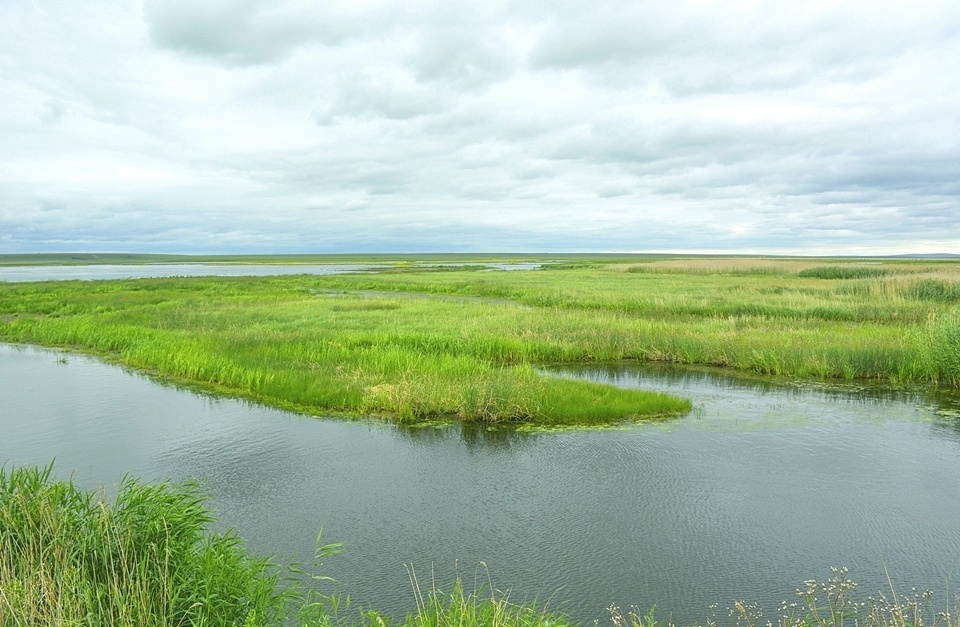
690	52
531	173
596	38
243	32
745	74
613	191
636	143
927	176
52	112
463	58
360	96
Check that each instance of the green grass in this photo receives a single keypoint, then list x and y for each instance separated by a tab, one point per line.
482	606
67	557
944	346
415	344
841	272
936	290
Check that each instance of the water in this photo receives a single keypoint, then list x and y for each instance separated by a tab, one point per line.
488	265
19	274
760	488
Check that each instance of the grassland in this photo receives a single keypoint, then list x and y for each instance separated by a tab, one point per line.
417	343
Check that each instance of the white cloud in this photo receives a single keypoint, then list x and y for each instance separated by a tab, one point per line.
251	125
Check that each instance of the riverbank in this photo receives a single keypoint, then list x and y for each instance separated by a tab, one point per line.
417	344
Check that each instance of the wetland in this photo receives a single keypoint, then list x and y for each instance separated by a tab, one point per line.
829	437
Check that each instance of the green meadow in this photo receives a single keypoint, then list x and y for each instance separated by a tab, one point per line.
416	343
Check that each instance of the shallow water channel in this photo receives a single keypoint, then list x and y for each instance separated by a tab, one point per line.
761	487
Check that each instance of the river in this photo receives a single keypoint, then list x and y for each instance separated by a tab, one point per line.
761	487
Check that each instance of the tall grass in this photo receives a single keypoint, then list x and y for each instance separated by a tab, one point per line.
842	272
67	557
936	290
483	606
943	346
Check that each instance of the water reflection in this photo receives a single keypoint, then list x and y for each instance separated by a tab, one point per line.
945	407
668	376
723	398
471	436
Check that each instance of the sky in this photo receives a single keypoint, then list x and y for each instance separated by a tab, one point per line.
293	126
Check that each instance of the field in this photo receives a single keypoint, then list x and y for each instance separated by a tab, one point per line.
448	341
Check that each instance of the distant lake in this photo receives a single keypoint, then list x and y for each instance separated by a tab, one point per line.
20	274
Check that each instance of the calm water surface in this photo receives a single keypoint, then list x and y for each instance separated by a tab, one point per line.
760	488
19	274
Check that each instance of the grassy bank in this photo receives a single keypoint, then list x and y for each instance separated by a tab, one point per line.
68	557
417	344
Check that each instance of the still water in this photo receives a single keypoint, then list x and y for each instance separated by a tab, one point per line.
20	274
95	272
761	487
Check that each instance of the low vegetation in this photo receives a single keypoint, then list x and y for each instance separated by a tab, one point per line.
446	342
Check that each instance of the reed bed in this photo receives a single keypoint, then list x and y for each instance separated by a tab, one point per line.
67	557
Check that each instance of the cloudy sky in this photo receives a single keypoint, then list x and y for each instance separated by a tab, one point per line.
262	126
